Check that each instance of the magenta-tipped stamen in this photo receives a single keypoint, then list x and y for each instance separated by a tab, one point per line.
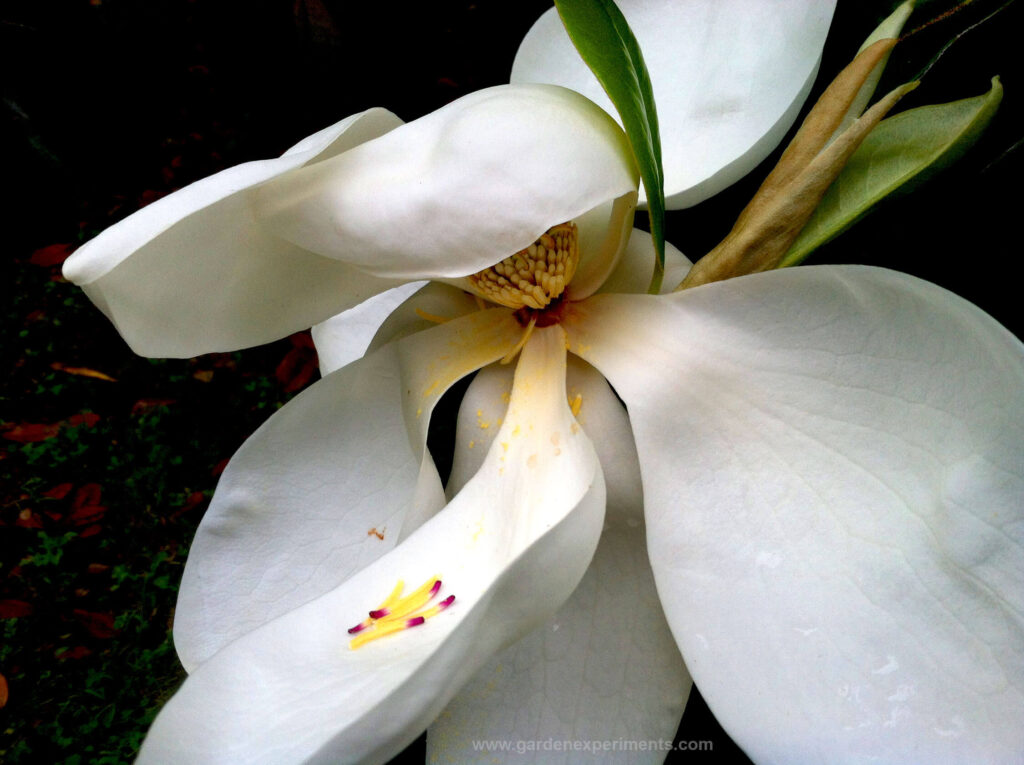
380	613
445	603
358	628
416	621
436	588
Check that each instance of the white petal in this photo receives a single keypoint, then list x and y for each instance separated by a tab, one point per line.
511	547
633	272
345	337
303	503
196	272
834	482
729	78
605	667
460	189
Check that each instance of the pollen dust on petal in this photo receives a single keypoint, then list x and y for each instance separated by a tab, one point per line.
375	533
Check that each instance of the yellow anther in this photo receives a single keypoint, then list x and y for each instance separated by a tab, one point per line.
378	631
533	277
411	602
431	317
397	613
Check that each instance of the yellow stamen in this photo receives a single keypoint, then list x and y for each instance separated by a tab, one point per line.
411	602
522	341
431	317
401	612
379	631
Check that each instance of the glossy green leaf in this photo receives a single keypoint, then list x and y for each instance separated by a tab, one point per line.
605	42
902	149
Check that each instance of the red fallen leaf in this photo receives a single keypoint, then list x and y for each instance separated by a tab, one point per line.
59	491
5	692
203	375
302	340
87	494
53	255
78	652
298	365
29	520
99	625
97	568
29	433
82	372
219	467
86	507
194	500
12	609
90	531
144	405
36	315
85	418
149	196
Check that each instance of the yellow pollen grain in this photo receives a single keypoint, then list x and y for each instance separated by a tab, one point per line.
472	444
533	277
575	404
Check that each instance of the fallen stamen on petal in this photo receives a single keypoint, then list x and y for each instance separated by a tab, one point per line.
396	614
522	341
432	317
533	277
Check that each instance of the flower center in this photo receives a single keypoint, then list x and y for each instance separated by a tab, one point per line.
533	277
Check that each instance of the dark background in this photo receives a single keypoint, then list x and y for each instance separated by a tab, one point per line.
109	104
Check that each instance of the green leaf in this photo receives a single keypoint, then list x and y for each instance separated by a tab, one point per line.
907	148
605	42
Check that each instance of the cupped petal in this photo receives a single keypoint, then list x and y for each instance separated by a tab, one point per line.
834	482
633	273
327	485
460	189
511	547
729	78
343	338
196	272
604	672
436	303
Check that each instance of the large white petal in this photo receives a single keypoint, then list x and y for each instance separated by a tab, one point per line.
729	78
343	338
304	502
511	547
196	272
460	189
604	671
834	478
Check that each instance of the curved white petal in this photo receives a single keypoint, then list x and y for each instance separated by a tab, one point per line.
196	272
633	273
604	669
460	189
345	337
511	547
729	78
305	501
834	479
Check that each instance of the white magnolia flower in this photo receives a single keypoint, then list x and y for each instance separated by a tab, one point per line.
830	457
